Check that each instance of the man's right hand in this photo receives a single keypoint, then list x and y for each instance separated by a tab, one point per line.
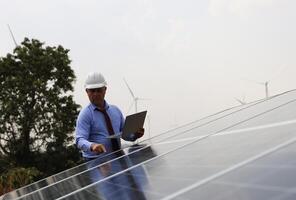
98	148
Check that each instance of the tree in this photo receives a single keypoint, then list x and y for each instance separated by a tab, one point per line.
17	177
37	109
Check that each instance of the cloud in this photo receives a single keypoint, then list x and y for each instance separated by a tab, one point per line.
237	7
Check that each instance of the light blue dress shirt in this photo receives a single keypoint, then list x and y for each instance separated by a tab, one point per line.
91	128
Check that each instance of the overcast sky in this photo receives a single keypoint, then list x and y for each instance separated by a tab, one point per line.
191	58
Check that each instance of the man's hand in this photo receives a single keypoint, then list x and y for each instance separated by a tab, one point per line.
98	148
139	133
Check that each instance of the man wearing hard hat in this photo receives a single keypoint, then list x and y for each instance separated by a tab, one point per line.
97	121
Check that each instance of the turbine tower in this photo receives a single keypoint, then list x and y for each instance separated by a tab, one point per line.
265	87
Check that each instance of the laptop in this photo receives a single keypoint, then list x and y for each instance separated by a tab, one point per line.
132	124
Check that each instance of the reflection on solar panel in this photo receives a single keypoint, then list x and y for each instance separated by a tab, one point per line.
245	152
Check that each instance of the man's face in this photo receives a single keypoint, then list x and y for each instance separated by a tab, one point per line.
96	95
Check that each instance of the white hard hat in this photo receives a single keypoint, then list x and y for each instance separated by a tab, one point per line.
95	80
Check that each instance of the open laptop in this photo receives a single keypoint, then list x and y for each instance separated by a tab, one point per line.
132	124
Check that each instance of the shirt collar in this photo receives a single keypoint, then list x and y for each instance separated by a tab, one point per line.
94	107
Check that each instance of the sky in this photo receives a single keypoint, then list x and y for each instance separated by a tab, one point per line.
189	58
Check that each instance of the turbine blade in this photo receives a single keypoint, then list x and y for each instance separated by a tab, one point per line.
241	102
143	98
12	35
130	90
253	81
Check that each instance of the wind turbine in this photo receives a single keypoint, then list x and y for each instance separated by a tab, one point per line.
266	83
135	98
135	101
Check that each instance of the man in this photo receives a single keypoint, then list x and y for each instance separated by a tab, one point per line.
97	121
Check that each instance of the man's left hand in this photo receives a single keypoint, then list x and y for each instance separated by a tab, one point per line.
139	133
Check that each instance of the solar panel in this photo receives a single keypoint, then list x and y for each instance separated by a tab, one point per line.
271	176
60	176
231	155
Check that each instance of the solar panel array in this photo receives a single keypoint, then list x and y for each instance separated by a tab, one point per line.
246	152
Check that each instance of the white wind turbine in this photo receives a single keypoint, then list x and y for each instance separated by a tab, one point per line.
135	98
135	102
266	83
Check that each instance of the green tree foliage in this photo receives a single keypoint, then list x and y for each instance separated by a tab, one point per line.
37	110
17	177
